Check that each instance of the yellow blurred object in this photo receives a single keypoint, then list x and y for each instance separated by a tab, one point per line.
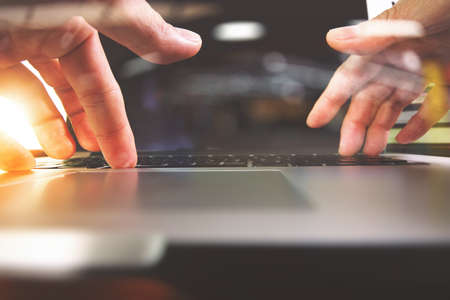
437	93
437	135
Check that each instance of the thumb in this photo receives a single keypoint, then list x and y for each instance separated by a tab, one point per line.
135	25
376	35
13	156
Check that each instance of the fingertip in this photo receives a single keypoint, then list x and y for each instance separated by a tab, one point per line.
408	136
20	164
402	138
17	161
348	147
342	33
90	145
120	151
62	149
358	39
313	120
25	165
374	147
346	152
179	44
310	122
415	129
123	161
313	125
372	152
189	36
342	38
56	139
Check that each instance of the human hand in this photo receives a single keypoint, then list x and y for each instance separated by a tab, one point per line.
64	46
384	75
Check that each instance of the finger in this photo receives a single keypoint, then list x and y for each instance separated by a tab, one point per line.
351	76
13	156
360	115
421	123
402	59
405	82
405	20
9	55
387	115
87	71
19	84
52	74
373	36
134	24
432	110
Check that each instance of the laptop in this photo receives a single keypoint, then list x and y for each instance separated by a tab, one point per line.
224	159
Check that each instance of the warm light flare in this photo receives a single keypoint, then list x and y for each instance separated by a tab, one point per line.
15	123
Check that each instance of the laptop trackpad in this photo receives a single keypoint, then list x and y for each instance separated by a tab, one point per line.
152	190
218	189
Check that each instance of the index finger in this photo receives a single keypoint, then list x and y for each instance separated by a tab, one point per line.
87	71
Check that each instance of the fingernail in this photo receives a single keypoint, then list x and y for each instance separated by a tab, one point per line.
404	138
189	35
344	33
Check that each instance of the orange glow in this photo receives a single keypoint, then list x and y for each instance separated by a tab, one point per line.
14	121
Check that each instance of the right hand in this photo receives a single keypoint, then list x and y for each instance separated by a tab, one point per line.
383	76
70	58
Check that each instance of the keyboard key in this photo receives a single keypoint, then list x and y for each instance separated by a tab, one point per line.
192	160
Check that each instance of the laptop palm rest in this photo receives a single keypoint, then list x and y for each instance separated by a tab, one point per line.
111	214
162	190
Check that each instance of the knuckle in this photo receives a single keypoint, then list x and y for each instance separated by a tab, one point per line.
111	132
94	98
69	36
63	89
396	105
358	122
75	114
367	96
163	29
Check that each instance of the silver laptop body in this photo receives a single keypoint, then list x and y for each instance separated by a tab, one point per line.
60	221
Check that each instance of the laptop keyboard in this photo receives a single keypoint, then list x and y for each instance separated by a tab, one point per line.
152	160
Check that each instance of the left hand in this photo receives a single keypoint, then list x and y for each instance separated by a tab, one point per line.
61	40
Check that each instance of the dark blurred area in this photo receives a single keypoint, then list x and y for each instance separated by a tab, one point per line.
241	273
250	87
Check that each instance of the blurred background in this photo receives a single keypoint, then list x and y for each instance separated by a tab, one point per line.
251	86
